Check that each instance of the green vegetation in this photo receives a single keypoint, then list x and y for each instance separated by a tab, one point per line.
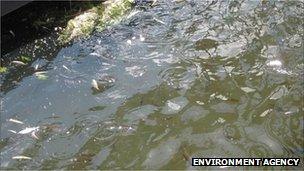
25	59
3	69
98	17
80	26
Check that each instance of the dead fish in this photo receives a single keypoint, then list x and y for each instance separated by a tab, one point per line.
12	33
103	83
28	130
15	121
158	20
12	131
65	67
22	157
95	84
154	2
33	135
40	72
141	38
36	67
18	63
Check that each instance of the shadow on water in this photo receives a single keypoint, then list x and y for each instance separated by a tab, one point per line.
187	79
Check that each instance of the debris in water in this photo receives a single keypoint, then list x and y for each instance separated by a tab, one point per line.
129	42
18	63
21	158
15	121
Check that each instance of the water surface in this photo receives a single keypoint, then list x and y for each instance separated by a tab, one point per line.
183	79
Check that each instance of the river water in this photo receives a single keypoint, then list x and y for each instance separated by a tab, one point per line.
180	79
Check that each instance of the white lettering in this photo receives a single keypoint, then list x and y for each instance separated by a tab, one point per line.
296	162
265	162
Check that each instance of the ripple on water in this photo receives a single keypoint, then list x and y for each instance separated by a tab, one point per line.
223	107
194	113
162	154
139	114
164	58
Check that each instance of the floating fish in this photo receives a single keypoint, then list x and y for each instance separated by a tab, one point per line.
22	157
33	135
41	75
36	67
159	21
18	63
274	63
248	89
15	121
200	102
65	67
12	33
40	72
28	130
141	38
12	131
154	2
95	84
266	112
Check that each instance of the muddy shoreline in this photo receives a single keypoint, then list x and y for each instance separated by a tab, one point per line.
37	20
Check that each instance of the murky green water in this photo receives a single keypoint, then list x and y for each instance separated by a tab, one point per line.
183	79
